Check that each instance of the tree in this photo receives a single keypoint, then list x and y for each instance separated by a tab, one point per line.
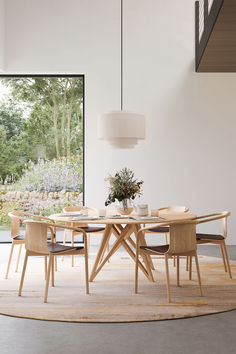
54	105
13	159
13	156
11	118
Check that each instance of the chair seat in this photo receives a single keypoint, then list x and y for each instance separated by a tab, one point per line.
160	229
210	237
57	248
156	249
19	238
91	229
22	237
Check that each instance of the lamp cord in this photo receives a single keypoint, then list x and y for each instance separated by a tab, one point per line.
121	55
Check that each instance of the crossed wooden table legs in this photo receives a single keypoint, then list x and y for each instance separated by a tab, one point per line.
122	239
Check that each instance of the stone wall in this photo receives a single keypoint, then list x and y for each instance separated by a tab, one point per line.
41	202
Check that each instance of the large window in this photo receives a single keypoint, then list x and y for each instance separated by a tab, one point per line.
41	143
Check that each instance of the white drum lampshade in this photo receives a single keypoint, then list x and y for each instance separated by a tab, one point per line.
122	129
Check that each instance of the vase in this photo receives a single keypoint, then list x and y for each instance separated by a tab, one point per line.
125	207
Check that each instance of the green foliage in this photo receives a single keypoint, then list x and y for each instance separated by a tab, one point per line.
49	208
5	208
123	186
40	118
12	157
11	119
54	113
53	176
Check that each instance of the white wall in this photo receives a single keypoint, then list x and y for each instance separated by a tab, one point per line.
189	154
2	33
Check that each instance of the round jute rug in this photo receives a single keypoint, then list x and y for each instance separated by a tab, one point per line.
112	297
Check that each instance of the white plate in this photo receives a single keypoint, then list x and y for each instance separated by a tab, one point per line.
84	218
63	215
147	218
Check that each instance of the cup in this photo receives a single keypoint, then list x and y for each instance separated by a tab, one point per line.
102	212
154	212
141	209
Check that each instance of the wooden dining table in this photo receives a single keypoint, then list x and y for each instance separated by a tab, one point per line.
122	227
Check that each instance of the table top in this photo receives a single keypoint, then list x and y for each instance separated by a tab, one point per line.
111	218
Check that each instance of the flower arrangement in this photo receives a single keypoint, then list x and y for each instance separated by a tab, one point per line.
123	186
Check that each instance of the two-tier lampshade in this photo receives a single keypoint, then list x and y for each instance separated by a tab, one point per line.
121	129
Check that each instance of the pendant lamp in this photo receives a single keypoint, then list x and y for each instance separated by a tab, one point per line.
122	129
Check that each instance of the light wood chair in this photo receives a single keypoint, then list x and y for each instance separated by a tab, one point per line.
165	229
36	244
17	239
182	236
88	229
170	209
216	239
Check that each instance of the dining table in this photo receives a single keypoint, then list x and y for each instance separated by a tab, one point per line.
122	227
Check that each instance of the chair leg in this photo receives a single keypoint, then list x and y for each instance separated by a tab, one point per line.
174	263
23	273
64	242
136	266
86	272
223	257
167	278
72	245
187	262
18	258
190	267
45	267
48	277
227	260
177	270
55	262
52	270
88	242
10	258
198	274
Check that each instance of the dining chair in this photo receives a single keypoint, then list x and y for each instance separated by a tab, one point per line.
36	244
216	239
165	229
169	209
182	237
18	239
88	229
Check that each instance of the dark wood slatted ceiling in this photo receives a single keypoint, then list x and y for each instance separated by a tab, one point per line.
220	52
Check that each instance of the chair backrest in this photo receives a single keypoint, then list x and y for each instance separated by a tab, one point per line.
78	208
36	236
175	209
182	237
223	216
183	232
18	216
